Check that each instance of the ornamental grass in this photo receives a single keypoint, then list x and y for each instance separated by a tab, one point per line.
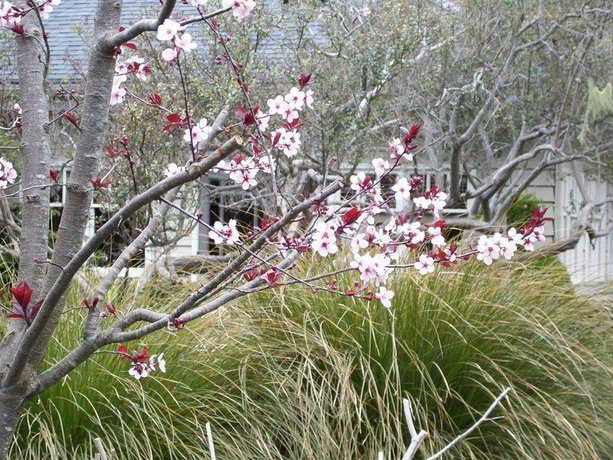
296	374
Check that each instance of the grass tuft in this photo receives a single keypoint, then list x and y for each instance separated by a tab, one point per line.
292	374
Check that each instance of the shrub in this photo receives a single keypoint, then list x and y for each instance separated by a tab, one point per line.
314	376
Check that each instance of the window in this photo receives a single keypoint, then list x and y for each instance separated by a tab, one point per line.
222	200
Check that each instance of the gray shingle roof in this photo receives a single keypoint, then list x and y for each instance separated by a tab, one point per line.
70	27
71	24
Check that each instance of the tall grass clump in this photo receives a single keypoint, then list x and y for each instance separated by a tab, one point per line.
294	374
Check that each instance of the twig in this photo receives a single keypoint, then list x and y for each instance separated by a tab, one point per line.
416	438
101	455
209	436
472	428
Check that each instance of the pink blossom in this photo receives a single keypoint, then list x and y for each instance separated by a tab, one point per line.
117	95
169	54
46	9
308	97
262	122
264	163
289	141
433	200
136	65
185	42
142	364
199	133
290	114
372	267
324	239
436	236
9	15
240	8
385	296
537	234
7	173
172	169
359	242
380	165
277	106
412	233
360	182
487	249
227	234
425	264
243	170
402	188
295	99
168	30
396	149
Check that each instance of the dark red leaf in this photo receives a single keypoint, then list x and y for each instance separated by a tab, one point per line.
414	129
244	116
293	125
123	349
22	294
16	315
98	183
143	355
110	151
351	216
19	30
174	118
54	175
275	139
130	45
155	99
72	118
304	80
36	308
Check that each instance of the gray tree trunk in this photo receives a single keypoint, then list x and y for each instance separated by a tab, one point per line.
35	150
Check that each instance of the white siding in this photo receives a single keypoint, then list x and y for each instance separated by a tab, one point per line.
586	264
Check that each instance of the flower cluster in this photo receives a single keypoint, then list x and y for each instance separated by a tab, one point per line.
198	133
7	173
142	364
490	248
243	170
134	65
377	244
432	200
172	31
240	8
10	15
46	7
286	139
324	239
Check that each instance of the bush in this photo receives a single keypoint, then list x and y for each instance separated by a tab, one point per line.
520	211
298	375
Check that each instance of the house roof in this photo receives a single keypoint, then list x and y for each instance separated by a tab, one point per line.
71	23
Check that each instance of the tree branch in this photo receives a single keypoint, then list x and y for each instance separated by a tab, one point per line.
136	203
144	25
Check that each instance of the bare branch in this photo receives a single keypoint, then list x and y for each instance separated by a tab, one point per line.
144	25
61	284
472	428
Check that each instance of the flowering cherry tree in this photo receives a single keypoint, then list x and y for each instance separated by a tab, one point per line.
250	143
